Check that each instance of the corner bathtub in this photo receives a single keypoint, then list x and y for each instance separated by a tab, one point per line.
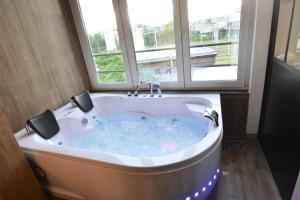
82	173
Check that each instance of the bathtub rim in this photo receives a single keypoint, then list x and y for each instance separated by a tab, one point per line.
198	150
161	169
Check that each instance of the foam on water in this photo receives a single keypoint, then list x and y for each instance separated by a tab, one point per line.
142	136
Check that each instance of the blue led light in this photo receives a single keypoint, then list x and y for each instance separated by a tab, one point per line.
209	183
215	176
188	198
218	170
203	189
196	194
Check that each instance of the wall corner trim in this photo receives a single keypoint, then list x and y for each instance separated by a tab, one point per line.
262	28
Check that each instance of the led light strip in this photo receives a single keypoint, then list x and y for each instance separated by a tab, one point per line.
204	188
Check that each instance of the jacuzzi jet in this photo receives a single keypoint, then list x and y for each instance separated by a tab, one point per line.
174	120
59	143
143	117
84	121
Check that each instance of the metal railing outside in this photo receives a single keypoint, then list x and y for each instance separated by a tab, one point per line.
168	48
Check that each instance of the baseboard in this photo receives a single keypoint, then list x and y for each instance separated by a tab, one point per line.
252	136
249	136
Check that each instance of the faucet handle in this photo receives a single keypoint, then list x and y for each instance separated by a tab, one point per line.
151	89
141	82
156	85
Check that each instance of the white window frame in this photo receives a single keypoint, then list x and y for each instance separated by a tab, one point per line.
181	31
87	52
241	81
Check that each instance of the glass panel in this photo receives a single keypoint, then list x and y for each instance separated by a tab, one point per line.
285	12
108	77
293	57
152	28
100	23
214	29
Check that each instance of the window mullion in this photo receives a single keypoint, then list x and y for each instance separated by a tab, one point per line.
179	43
245	38
123	43
128	41
185	41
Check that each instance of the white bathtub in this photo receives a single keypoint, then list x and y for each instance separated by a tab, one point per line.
76	173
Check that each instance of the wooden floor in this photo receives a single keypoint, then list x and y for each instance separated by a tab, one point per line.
245	174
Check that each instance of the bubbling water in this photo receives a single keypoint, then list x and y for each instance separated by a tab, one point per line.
142	136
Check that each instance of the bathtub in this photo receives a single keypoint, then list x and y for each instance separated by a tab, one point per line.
78	173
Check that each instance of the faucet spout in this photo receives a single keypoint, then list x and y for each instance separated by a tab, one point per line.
156	86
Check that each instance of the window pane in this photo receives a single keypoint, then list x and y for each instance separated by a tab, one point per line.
285	12
108	77
214	28
100	23
152	28
293	56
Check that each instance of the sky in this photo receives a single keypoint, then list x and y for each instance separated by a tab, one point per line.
99	14
203	9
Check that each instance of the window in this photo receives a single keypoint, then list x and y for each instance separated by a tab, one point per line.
214	31
101	28
293	54
179	43
282	33
154	39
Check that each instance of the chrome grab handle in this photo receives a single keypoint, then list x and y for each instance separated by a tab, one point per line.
212	115
27	127
73	104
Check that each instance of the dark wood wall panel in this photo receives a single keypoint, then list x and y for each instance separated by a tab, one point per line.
234	111
17	179
41	63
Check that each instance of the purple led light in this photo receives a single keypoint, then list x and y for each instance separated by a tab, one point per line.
196	194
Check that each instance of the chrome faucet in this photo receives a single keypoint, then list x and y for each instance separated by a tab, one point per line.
140	83
152	86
